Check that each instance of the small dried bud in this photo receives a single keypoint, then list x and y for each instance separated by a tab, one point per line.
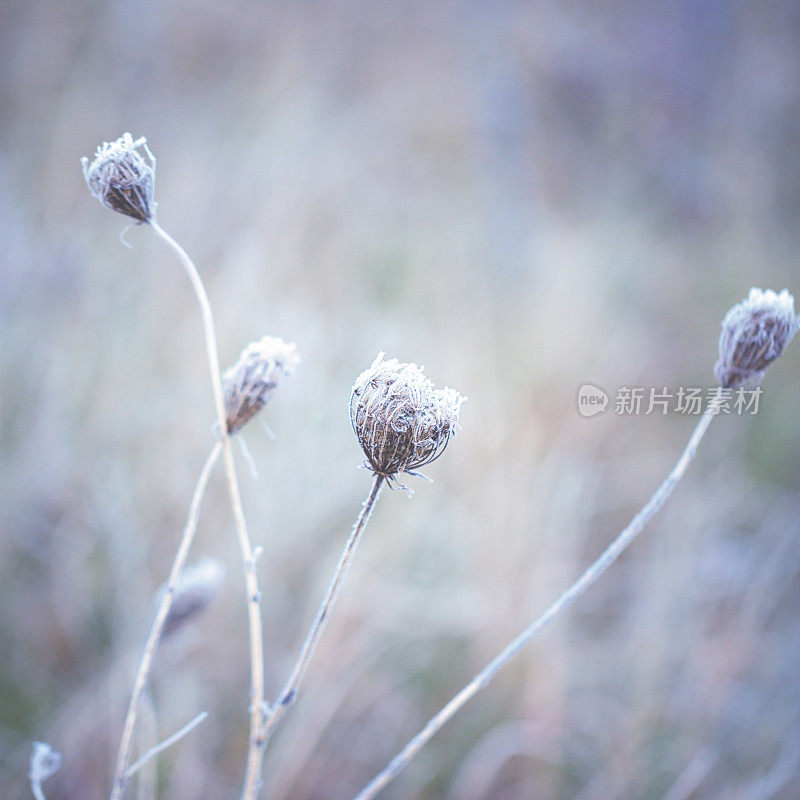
754	333
400	420
197	587
250	383
121	179
44	762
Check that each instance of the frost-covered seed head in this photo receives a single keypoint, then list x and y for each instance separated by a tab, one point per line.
197	588
400	420
754	333
250	383
121	179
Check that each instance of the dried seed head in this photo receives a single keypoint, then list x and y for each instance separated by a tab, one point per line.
400	420
121	179
197	587
754	333
250	383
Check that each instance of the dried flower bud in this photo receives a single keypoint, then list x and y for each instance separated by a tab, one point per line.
754	333
121	179
400	420
44	762
250	383
197	587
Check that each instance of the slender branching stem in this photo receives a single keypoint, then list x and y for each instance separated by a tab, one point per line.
121	772
288	694
161	746
254	751
608	557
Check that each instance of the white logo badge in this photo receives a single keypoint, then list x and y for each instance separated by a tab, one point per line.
591	400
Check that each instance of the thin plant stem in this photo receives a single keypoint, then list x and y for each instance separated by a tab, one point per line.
288	694
146	732
36	788
161	746
254	751
157	628
609	556
692	776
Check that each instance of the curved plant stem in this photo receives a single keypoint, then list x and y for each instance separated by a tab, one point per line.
122	773
608	557
288	694
254	750
168	742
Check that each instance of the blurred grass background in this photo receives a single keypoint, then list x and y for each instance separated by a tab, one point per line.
521	196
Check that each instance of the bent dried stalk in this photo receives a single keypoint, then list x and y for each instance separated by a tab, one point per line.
609	556
121	773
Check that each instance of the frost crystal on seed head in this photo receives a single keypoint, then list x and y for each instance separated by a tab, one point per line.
754	333
250	383
121	179
400	420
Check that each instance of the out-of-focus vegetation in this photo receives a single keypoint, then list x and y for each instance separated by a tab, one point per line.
521	196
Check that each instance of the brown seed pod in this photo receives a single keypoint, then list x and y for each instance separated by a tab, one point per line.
400	420
754	333
121	179
250	383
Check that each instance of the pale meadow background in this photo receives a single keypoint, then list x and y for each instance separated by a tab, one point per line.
520	196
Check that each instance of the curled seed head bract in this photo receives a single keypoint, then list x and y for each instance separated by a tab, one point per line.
250	383
121	179
754	333
197	587
401	421
44	762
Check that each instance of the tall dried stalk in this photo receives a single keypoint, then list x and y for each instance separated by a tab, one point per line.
288	694
254	750
122	773
122	180
609	556
402	422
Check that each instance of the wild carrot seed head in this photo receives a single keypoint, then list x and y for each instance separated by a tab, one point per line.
250	383
121	179
754	333
400	420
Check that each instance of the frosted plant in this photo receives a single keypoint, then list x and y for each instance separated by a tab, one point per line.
754	333
120	178
251	382
402	422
